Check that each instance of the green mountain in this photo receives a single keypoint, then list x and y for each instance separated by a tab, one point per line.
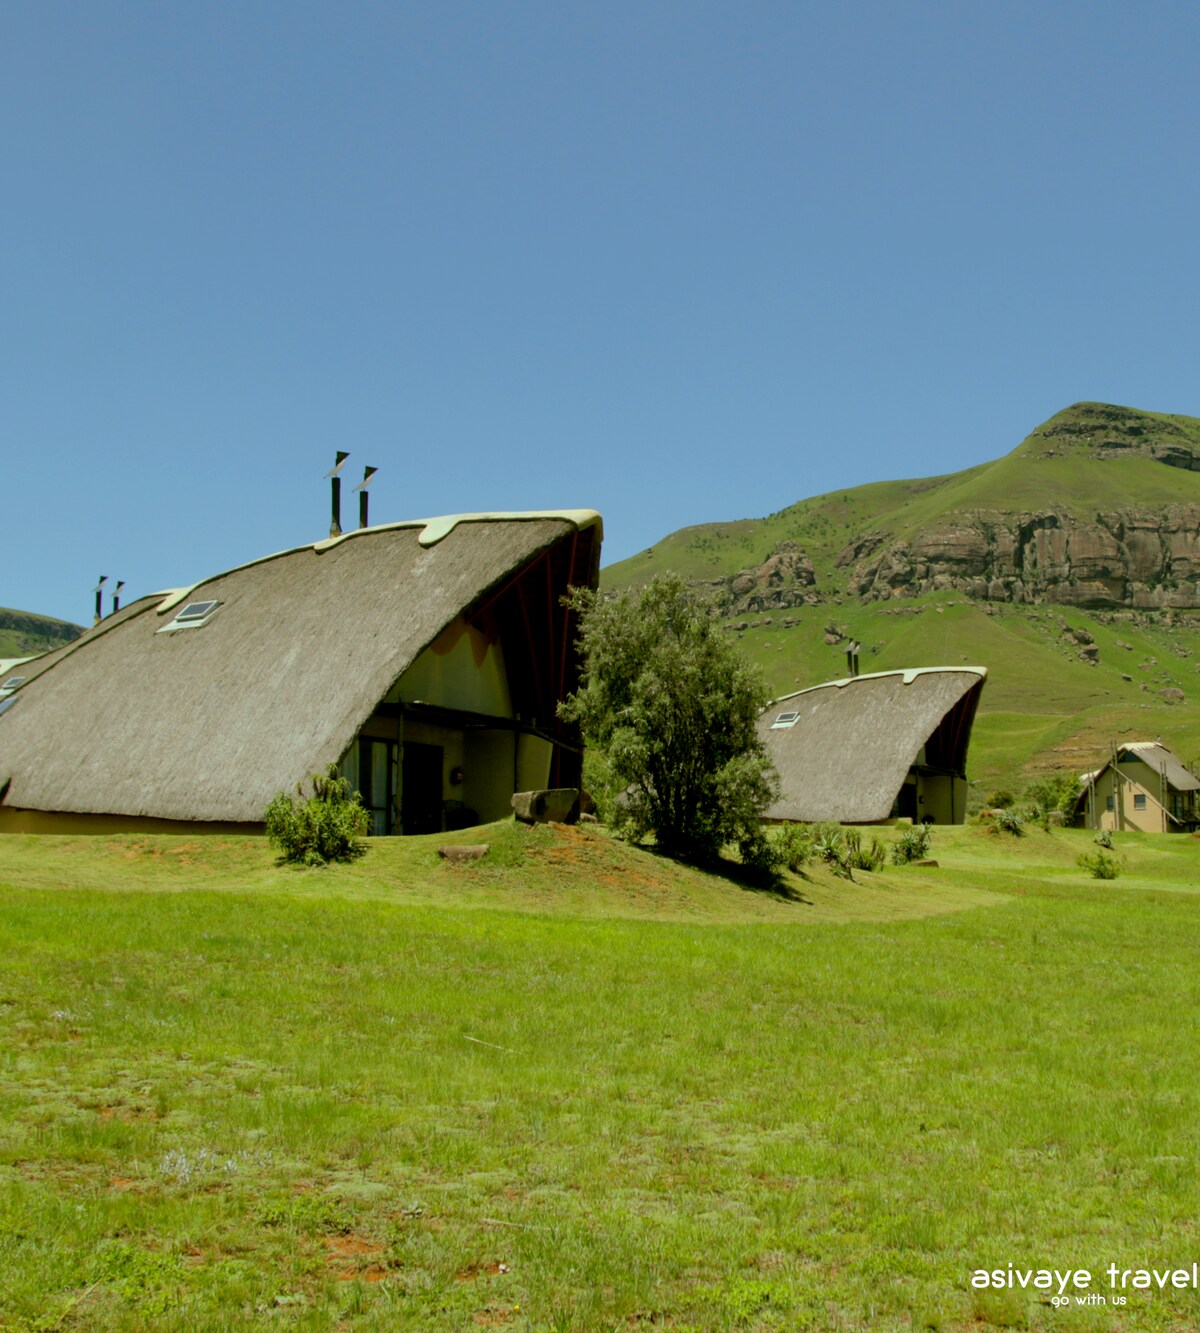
1070	568
23	634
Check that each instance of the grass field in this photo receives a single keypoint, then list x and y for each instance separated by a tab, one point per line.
573	1086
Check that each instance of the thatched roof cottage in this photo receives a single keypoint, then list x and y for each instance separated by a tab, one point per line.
426	658
868	748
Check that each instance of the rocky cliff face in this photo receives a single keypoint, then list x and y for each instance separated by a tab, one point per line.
1139	558
785	579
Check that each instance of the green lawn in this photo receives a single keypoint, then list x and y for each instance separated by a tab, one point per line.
575	1087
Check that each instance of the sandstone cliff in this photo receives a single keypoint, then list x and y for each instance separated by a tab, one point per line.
1144	559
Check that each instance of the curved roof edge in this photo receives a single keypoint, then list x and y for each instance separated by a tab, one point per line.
434	530
908	673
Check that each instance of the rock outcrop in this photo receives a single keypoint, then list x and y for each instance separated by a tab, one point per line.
785	579
1140	559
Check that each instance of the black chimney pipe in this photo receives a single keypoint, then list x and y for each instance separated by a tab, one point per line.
99	595
117	596
335	519
361	488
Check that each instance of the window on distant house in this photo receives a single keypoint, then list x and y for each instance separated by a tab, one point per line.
1139	800
1108	802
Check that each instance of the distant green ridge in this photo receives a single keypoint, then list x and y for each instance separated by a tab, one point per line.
25	634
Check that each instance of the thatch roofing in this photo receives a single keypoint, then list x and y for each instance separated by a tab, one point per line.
847	753
207	724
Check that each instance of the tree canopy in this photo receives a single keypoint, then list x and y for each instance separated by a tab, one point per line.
674	706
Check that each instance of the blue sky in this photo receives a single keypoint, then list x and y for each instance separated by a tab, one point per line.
675	262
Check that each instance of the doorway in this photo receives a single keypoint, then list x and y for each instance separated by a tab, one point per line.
421	788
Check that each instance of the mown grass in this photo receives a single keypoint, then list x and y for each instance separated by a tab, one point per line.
401	1095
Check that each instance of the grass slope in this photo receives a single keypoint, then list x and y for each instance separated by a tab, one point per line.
403	1096
24	634
1043	707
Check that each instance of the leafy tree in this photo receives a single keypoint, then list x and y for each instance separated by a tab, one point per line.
327	826
1058	792
674	707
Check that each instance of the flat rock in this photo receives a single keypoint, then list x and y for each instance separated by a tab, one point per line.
471	852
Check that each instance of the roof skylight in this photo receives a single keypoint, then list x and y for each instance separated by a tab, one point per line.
12	682
192	616
785	720
6	704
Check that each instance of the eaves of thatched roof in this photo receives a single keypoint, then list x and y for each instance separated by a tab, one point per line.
851	745
207	724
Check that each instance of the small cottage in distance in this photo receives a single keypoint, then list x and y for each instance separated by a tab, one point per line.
1143	786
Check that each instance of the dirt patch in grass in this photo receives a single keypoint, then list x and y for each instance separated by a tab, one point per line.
474	1271
351	1256
493	1317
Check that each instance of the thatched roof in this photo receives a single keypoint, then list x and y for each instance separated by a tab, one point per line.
849	749
208	723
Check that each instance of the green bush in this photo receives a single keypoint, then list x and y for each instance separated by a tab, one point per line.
860	857
794	846
1100	865
326	826
1104	839
797	845
830	846
914	845
1059	792
1008	821
1002	799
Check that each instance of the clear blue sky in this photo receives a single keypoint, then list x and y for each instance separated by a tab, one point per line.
675	262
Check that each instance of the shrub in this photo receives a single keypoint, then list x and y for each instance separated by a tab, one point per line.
914	845
1008	821
794	846
830	846
1104	839
675	709
1100	864
1001	800
326	826
860	857
1059	792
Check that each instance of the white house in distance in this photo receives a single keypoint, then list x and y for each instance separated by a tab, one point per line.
426	658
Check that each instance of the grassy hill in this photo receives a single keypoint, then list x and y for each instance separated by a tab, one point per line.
578	1087
24	634
1045	705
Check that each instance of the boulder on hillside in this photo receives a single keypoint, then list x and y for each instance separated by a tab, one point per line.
552	805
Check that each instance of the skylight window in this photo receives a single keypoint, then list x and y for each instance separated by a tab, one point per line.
785	720
12	682
193	615
6	704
